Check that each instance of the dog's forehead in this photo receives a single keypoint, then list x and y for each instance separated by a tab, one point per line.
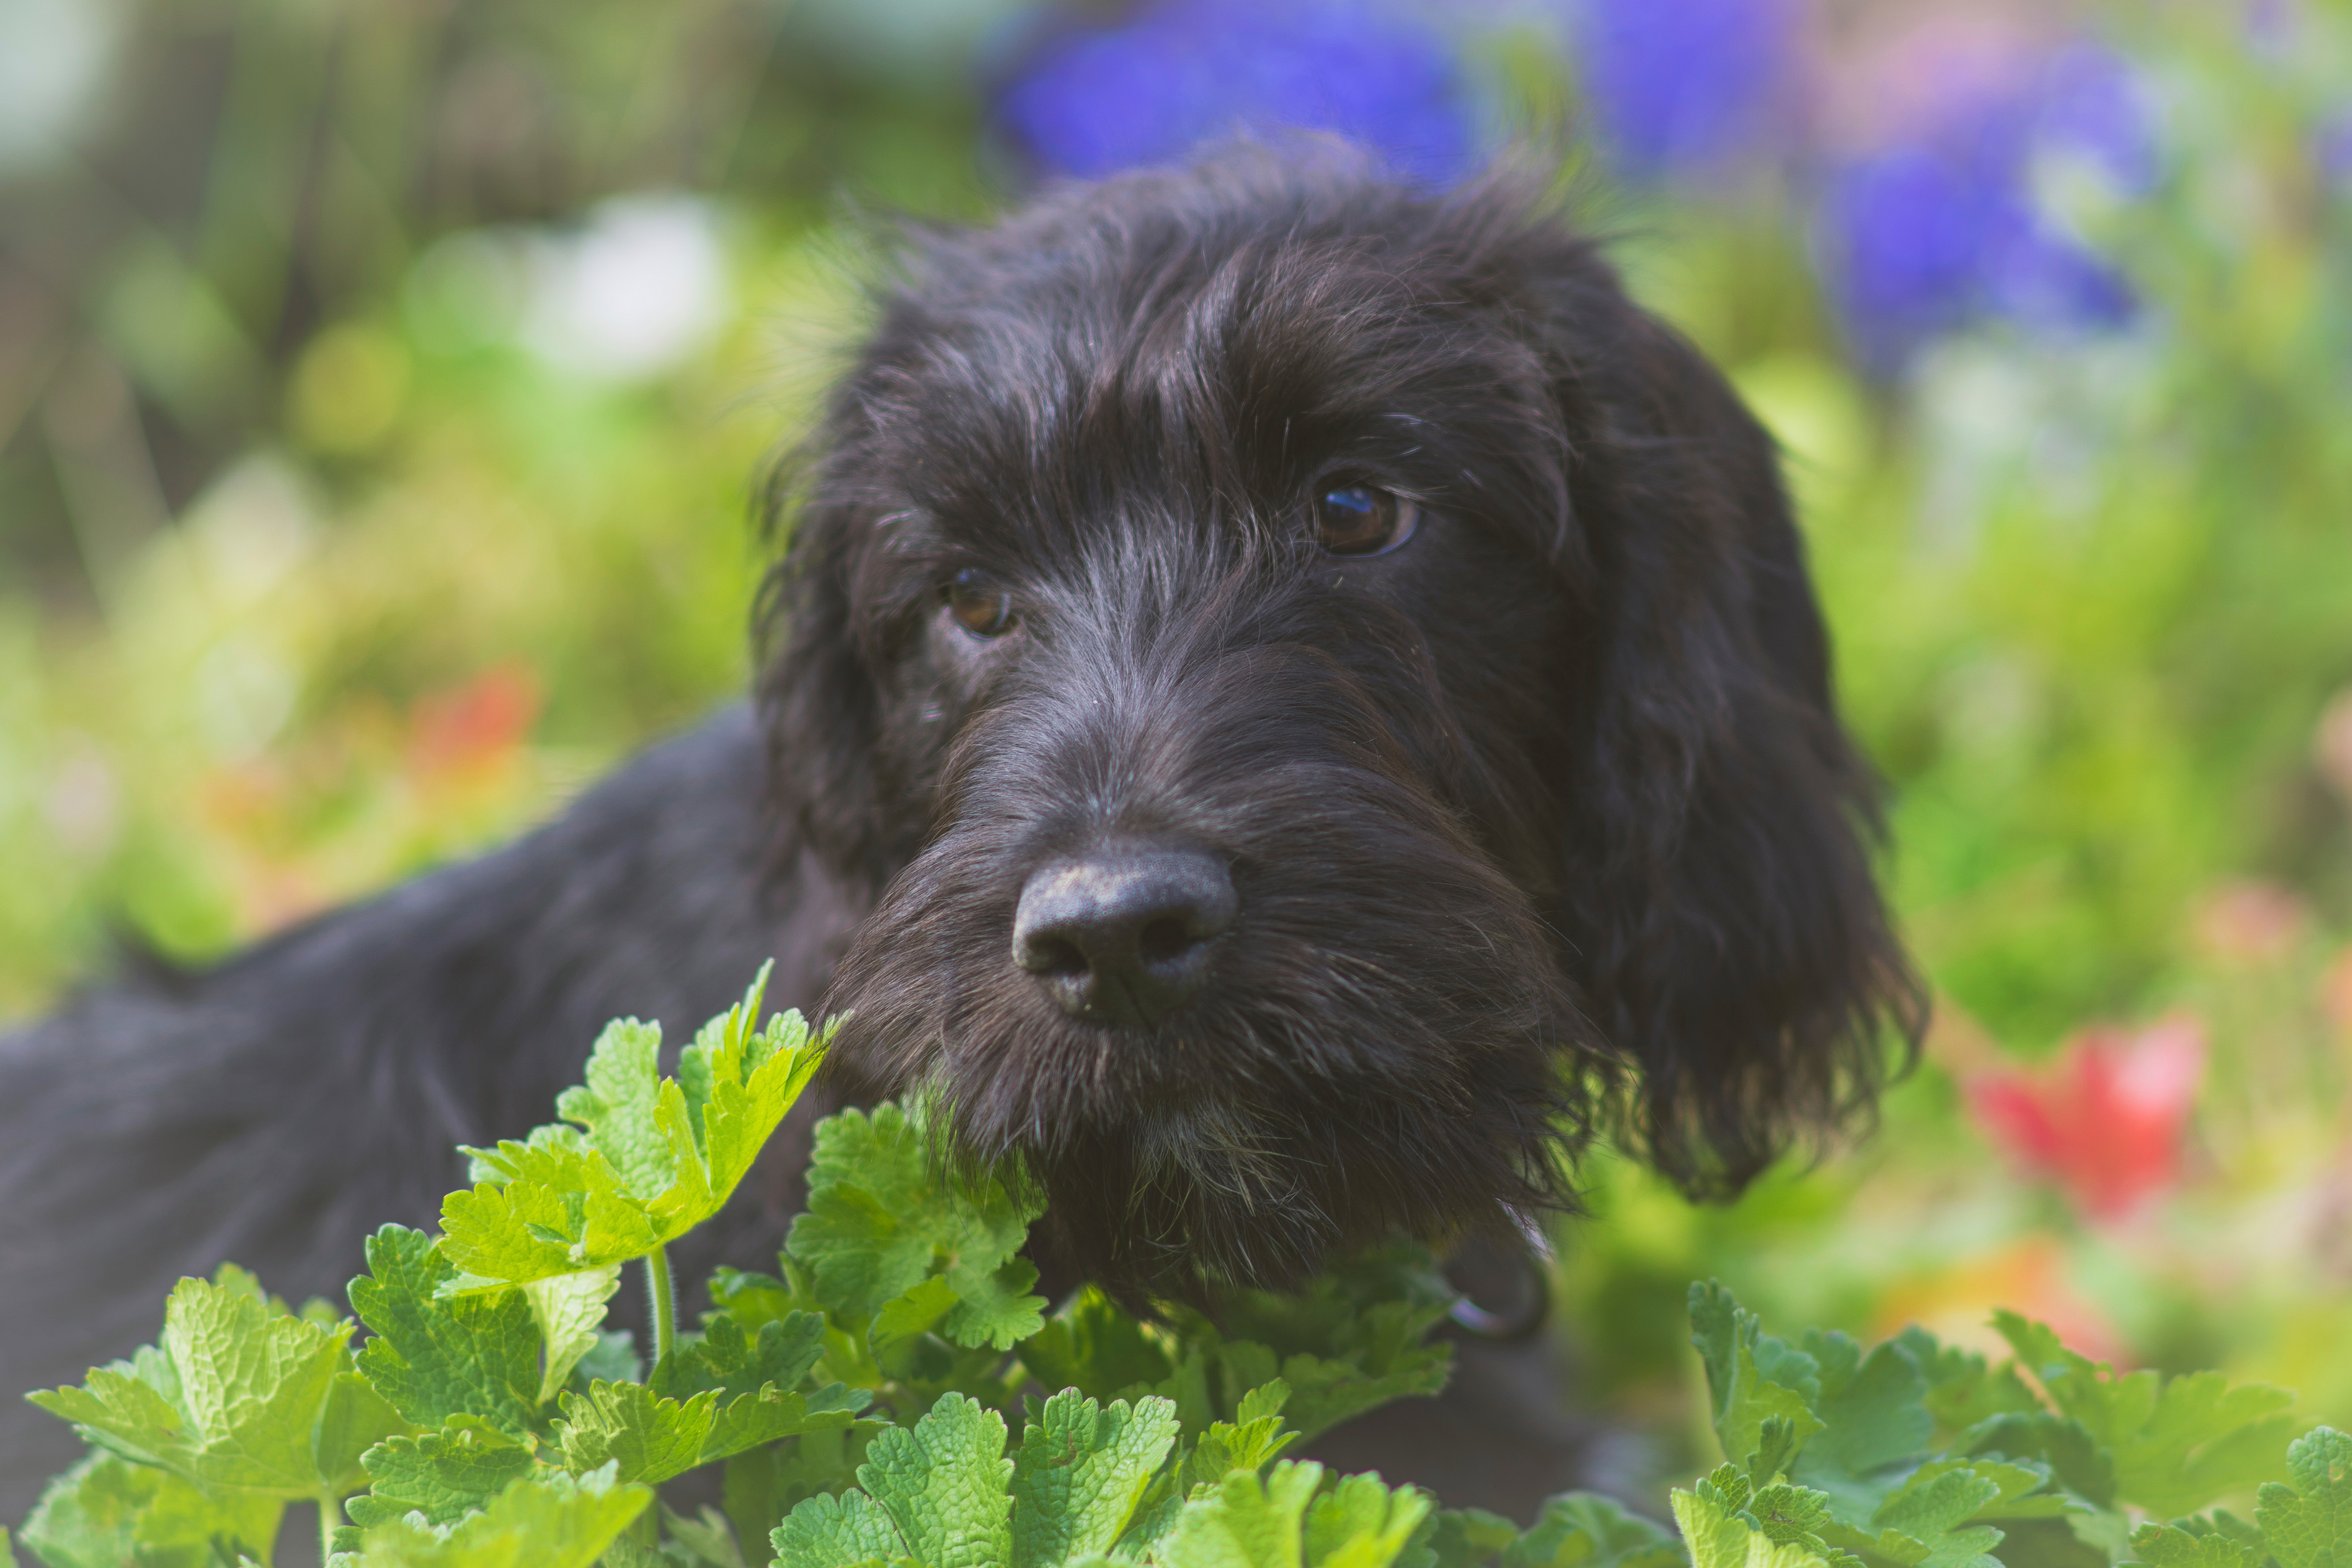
1240	348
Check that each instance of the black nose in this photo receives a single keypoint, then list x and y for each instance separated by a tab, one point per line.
1122	935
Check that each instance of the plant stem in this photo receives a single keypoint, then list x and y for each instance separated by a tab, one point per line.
328	1510
663	1302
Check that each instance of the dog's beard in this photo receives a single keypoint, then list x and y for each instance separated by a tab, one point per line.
1386	1047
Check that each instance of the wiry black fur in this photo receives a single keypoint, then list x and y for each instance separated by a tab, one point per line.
1541	820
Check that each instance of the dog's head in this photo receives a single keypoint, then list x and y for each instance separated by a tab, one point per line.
1326	697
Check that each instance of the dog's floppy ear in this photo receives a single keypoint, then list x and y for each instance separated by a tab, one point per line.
1719	890
820	706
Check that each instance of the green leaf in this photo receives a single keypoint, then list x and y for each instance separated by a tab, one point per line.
442	1475
1276	1520
1465	1537
1718	1535
1079	1472
570	1312
562	1209
627	1424
751	1419
2177	1443
882	1218
944	1485
659	1156
2308	1521
1246	1521
1925	1522
1876	1420
2169	1546
355	1420
1751	1378
233	1398
836	1532
107	1512
1581	1530
544	1521
907	1317
754	1380
726	1358
1250	1443
436	1356
1090	1345
1360	1524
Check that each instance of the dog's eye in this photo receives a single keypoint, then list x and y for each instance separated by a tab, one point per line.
1360	519
980	605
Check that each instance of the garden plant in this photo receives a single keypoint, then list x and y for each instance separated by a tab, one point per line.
862	1400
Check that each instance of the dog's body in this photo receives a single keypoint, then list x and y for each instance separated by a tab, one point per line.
1290	702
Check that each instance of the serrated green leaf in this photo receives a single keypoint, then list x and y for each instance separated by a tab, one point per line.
751	1419
1079	1472
996	1309
544	1521
882	1218
2169	1546
1932	1512
561	1211
1360	1523
2074	1458
1877	1424
728	1359
570	1312
106	1511
1720	1536
234	1397
654	1163
618	1107
1620	1539
1247	1521
1324	1392
436	1356
945	1483
1744	1395
443	1474
627	1424
907	1316
1090	1345
2308	1521
2178	1443
836	1533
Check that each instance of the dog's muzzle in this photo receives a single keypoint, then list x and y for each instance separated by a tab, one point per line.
1124	935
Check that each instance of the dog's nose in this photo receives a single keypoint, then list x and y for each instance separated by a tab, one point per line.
1122	935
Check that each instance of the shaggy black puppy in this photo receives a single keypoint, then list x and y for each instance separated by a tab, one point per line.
1290	702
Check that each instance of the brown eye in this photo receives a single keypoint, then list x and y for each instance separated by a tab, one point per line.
1360	519
980	605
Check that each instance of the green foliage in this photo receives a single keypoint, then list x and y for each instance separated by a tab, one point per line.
863	1398
650	1157
1870	1485
884	1237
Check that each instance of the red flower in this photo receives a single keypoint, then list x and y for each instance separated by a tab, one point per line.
2104	1121
467	733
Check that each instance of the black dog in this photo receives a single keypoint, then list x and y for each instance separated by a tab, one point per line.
1290	702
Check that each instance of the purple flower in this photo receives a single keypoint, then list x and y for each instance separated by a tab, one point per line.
2331	149
1185	71
1942	227
1686	85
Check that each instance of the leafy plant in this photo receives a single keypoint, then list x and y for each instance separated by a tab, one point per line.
858	1398
864	1400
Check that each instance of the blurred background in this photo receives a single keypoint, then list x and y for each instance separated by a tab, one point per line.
381	382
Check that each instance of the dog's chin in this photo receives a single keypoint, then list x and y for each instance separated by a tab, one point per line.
1254	1133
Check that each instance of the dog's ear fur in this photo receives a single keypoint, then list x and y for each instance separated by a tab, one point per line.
1718	892
820	705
